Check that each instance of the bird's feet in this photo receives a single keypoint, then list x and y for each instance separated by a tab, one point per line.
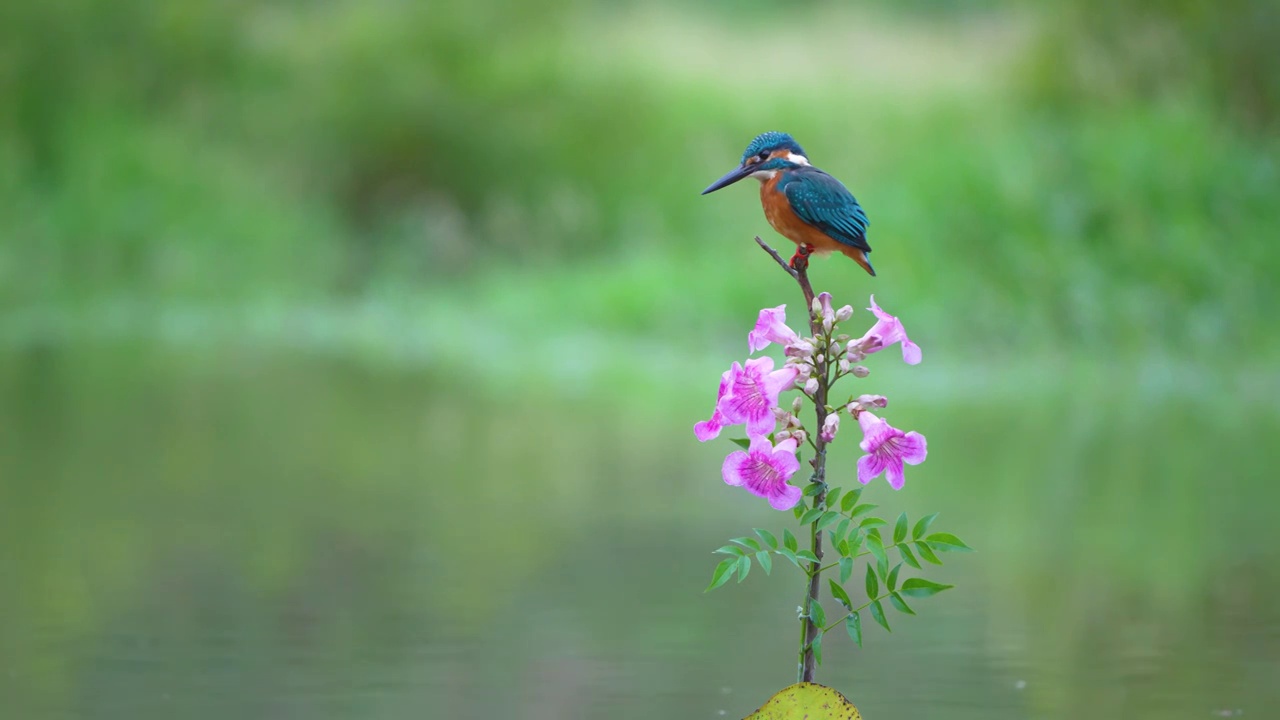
800	261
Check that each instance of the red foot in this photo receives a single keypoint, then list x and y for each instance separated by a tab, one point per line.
800	261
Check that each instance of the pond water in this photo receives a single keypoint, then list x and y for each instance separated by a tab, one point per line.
272	534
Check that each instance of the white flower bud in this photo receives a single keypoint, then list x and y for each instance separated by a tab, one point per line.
816	306
821	358
844	365
779	437
796	406
860	371
811	386
800	436
870	401
844	313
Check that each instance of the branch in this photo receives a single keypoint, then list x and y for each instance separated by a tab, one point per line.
774	253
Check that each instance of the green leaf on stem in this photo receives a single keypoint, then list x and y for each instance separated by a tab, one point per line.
901	604
877	614
919	587
828	518
922	526
817	648
790	541
846	569
729	550
908	557
872	522
946	542
790	554
876	547
749	543
850	499
812	489
766	562
926	553
743	443
817	614
722	573
768	538
842	530
862	509
807	555
798	510
843	548
810	516
833	497
744	567
840	595
853	626
873	583
892	582
900	528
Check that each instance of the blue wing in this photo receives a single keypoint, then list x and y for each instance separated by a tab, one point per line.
825	203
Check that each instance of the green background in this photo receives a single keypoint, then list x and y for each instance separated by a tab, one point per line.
350	352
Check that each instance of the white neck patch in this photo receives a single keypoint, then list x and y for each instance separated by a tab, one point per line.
797	159
764	174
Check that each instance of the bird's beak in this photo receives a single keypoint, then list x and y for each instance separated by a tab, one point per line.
734	176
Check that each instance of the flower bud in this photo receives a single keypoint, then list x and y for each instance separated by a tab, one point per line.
800	436
816	306
796	406
780	414
842	338
844	365
803	347
821	358
779	437
795	422
860	371
811	386
829	427
844	313
870	401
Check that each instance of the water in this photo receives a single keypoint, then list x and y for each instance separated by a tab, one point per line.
237	532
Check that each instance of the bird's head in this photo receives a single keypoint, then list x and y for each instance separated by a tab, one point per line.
767	154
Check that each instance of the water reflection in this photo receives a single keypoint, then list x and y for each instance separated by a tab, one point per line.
273	535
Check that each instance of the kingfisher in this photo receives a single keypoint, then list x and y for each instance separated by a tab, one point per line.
804	204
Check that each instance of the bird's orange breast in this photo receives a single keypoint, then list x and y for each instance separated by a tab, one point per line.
777	210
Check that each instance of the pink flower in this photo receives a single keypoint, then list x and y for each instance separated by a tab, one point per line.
748	394
887	331
828	315
710	429
764	470
771	327
830	427
887	449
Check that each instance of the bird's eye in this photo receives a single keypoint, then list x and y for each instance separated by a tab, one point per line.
762	157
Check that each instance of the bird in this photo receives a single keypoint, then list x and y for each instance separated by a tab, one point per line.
804	204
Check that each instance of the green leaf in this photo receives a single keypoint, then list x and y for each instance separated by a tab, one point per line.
744	567
840	595
876	546
748	542
828	518
789	554
810	516
872	522
853	626
722	573
790	541
766	562
877	614
919	587
798	510
901	604
817	614
900	528
946	542
817	649
908	557
862	509
833	497
812	489
926	553
743	443
843	548
850	499
892	582
922	526
846	569
768	538
842	530
807	555
729	550
873	583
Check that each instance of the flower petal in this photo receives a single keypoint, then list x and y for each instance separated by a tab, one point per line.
732	470
780	380
893	473
771	326
784	458
910	352
709	429
914	448
869	468
787	497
